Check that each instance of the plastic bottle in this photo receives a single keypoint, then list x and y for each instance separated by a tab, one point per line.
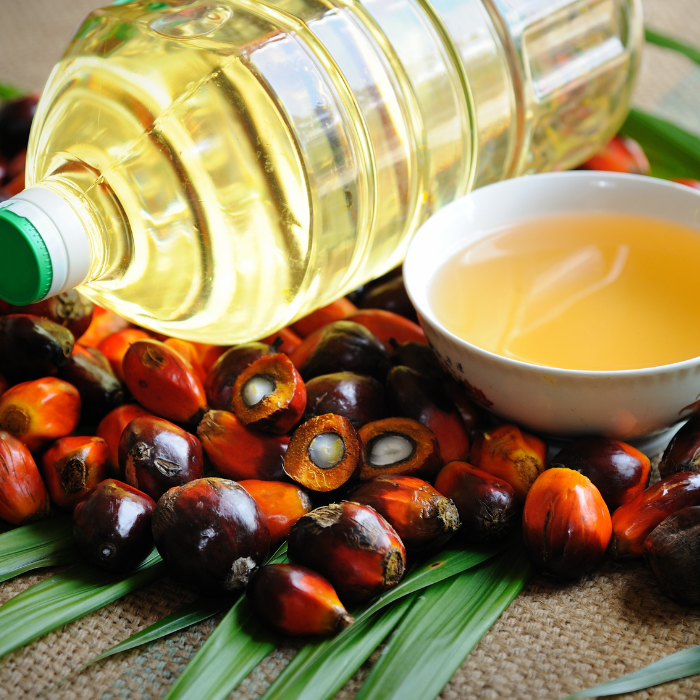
214	171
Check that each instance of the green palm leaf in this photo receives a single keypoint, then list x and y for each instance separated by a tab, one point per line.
680	665
65	597
445	623
191	614
44	543
672	151
669	43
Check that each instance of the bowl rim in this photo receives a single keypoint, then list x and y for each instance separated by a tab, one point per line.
426	312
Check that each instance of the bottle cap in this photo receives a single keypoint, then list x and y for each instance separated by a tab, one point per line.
25	264
44	249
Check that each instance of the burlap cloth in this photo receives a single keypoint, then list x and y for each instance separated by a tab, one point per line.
553	640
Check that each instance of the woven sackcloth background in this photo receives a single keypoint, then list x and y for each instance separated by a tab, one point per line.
553	640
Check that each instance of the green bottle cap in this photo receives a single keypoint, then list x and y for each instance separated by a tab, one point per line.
25	264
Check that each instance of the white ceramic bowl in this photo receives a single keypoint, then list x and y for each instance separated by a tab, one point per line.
558	402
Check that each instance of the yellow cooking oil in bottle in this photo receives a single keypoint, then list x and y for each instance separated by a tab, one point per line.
215	170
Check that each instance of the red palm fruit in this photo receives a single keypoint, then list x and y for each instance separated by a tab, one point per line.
510	454
115	345
282	503
295	601
301	353
23	496
635	520
621	155
91	374
412	395
112	426
33	347
566	524
209	354
156	455
420	514
40	411
387	325
285	340
222	375
211	534
682	454
695	184
112	526
334	311
353	546
189	352
72	466
324	454
104	323
238	452
270	395
68	309
486	504
399	446
618	470
160	379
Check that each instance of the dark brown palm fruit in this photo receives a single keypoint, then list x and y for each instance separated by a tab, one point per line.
68	309
23	496
632	522
211	534
682	454
282	503
160	379
270	395
72	467
156	455
112	426
15	123
112	526
390	296
346	346
618	470
115	346
357	397
510	454
222	375
40	411
90	373
420	514
296	601
399	446
467	409
412	395
672	550
486	504
419	357
324	454
238	452
353	546
33	347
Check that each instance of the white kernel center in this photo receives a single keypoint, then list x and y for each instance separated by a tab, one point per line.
390	449
326	450
257	388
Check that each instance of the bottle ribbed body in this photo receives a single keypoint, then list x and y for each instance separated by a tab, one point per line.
240	163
